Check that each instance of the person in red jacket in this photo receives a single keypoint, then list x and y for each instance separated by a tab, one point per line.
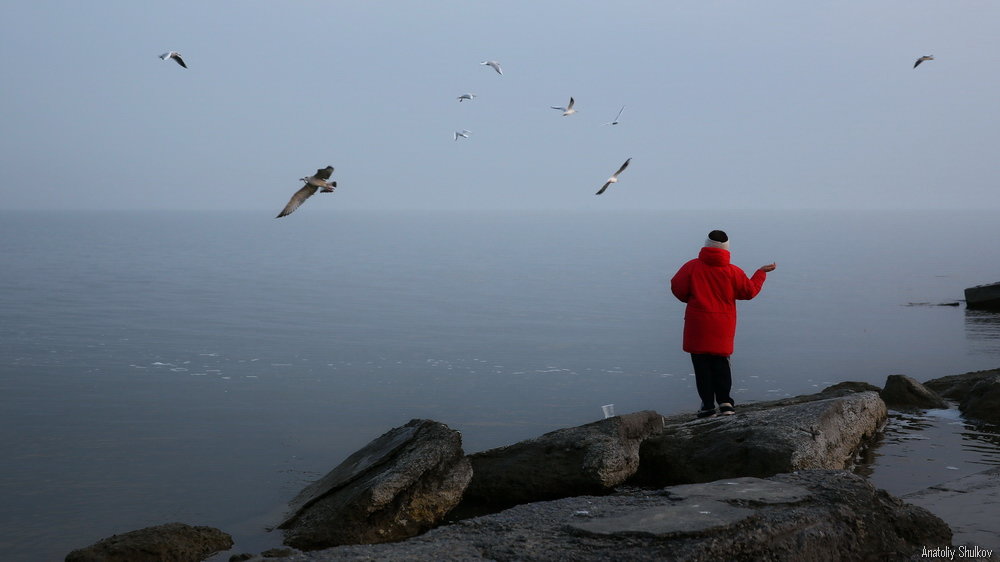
710	286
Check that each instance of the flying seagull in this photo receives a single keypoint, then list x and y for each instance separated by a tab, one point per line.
614	177
464	133
314	182
494	65
173	55
615	122
922	59
568	110
464	97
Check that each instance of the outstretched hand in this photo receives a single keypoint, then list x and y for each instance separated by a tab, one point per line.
769	267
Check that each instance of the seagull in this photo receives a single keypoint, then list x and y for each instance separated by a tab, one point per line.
494	65
314	182
173	55
568	110
922	59
615	122
464	97
464	133
614	177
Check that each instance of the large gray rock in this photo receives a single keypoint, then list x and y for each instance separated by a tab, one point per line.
825	433
957	387
812	515
172	542
589	459
977	393
397	486
983	401
902	392
841	389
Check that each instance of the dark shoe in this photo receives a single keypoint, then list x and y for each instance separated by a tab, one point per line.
706	413
726	409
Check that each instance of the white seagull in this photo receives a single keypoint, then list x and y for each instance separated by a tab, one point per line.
464	133
494	65
173	55
615	122
568	110
614	177
314	182
464	97
922	59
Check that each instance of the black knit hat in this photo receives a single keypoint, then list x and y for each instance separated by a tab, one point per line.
717	239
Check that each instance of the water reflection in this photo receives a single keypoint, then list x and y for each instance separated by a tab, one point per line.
983	437
982	329
922	449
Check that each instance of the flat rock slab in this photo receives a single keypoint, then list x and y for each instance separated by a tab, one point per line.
700	508
748	489
970	504
811	515
682	518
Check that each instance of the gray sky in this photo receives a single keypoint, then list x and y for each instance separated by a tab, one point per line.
734	105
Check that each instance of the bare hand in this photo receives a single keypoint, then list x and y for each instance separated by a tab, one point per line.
769	267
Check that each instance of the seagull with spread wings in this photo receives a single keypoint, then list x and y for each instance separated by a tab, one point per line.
173	55
464	97
568	110
318	181
922	59
464	133
494	65
615	122
614	177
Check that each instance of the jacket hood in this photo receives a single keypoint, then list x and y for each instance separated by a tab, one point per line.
714	256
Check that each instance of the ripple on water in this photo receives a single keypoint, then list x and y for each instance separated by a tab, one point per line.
921	449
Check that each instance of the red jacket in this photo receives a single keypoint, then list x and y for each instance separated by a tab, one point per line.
710	286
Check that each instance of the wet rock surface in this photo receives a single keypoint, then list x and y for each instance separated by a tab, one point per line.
812	515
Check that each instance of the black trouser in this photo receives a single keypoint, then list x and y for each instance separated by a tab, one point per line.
713	379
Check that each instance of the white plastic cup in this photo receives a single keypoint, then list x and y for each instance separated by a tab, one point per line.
609	410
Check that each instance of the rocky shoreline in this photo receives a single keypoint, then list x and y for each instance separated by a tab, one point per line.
772	482
788	517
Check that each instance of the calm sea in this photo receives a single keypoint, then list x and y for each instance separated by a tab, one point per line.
204	367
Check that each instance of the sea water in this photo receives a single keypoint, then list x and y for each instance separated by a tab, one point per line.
204	367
